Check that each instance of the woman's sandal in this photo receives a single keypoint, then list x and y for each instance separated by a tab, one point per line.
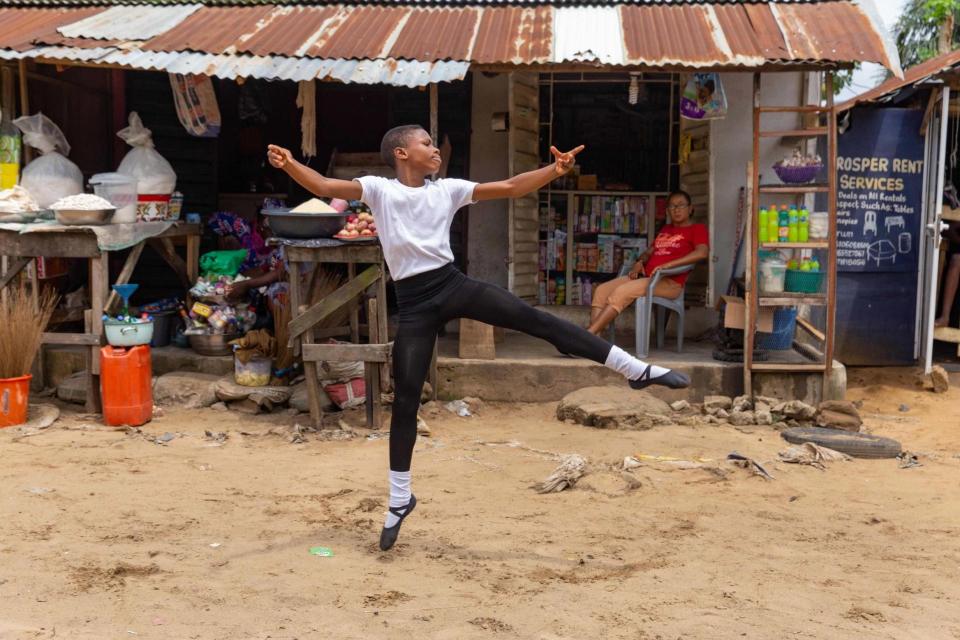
672	379
389	534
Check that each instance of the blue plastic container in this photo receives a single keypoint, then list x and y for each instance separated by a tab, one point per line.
784	326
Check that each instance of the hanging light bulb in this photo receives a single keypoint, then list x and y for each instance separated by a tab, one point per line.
634	92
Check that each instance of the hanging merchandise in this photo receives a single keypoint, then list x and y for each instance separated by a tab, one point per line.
703	97
196	104
307	100
9	153
154	174
51	176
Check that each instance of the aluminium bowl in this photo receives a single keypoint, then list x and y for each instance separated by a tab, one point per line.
286	224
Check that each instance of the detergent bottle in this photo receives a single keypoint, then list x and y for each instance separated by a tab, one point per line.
763	226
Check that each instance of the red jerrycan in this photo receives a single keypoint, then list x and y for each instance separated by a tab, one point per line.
126	385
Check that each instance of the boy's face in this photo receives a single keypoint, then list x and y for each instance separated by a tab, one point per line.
420	154
679	209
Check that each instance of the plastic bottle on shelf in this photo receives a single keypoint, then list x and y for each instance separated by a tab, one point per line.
763	226
783	224
793	228
803	226
773	224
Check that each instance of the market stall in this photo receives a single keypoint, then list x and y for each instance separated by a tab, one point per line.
22	243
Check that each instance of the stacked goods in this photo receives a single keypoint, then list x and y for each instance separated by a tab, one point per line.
51	176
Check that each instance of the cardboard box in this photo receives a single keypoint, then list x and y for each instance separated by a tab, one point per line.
735	315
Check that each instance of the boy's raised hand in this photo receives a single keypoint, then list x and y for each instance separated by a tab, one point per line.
278	156
565	160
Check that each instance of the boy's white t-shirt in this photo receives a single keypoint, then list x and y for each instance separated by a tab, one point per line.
413	223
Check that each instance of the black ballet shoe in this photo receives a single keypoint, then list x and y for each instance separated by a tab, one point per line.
672	379
389	534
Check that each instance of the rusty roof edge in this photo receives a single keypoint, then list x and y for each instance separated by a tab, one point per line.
889	47
923	73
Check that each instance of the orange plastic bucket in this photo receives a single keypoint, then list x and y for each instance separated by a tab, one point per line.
14	398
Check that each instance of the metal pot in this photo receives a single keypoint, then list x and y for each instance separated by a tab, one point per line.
213	344
77	216
123	334
286	224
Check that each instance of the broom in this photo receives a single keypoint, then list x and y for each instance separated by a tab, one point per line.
21	329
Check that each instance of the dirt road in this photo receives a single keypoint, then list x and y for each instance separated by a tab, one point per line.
108	534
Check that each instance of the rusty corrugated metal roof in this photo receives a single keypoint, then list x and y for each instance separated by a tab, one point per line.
20	29
682	35
917	74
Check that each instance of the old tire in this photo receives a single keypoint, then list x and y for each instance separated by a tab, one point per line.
858	445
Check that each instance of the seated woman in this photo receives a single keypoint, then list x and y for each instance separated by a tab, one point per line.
679	243
263	264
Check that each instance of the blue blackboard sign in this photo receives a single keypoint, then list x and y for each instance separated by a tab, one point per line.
880	191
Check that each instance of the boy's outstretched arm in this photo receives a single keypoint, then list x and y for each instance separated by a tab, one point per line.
310	180
524	183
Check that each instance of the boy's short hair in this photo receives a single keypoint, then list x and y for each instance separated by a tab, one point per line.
396	137
680	192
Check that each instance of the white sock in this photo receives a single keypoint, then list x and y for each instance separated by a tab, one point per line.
399	494
629	367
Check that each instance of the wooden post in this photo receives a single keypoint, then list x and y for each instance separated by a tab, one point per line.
309	368
372	371
832	234
99	285
751	306
355	309
434	111
380	318
24	104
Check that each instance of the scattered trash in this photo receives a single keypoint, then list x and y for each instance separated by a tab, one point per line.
680	405
216	545
459	407
572	468
909	460
378	435
811	454
216	436
165	438
38	490
904	408
750	464
664	462
323	552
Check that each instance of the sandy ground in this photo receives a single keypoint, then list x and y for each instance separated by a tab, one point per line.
107	534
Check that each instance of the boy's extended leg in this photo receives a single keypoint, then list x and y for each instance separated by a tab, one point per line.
494	305
412	351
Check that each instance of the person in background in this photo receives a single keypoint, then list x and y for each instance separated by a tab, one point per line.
679	243
263	265
952	277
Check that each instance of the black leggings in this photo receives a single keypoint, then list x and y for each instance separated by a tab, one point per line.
429	300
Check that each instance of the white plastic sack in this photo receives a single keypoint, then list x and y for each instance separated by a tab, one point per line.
154	174
51	176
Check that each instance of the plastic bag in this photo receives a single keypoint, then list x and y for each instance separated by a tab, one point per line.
703	97
222	263
154	174
51	176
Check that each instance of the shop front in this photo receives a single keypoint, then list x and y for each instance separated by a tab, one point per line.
528	78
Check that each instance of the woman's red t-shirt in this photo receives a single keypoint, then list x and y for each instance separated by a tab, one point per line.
675	242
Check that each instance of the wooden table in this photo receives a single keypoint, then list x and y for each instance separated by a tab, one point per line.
18	249
311	254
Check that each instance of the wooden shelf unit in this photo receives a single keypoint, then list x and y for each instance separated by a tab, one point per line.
754	298
570	198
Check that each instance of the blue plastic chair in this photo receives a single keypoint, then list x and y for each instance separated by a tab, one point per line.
643	309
